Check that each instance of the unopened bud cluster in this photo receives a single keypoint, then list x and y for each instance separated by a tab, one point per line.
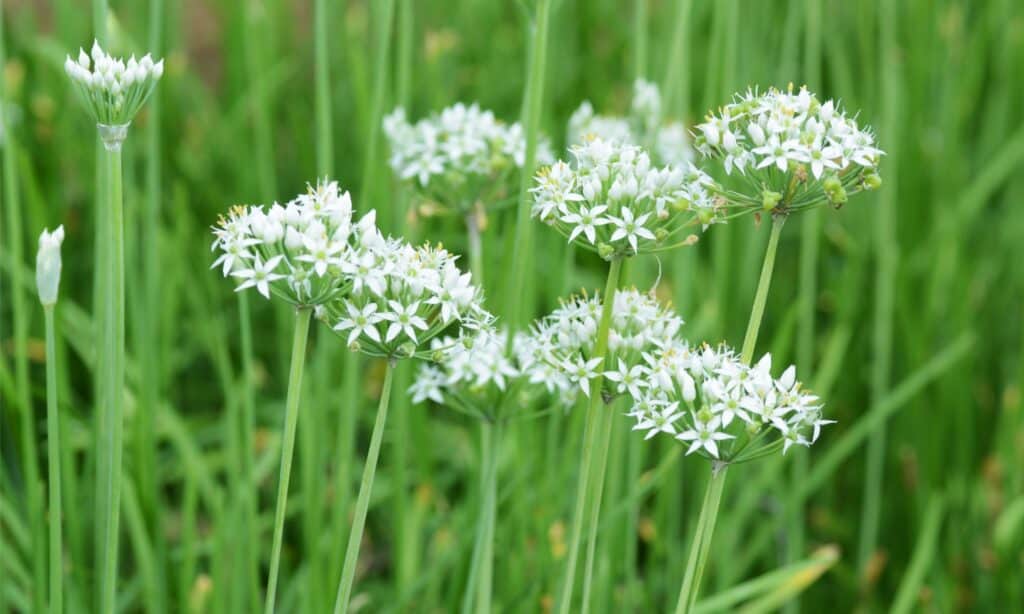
113	89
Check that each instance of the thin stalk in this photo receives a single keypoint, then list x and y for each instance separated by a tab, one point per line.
53	448
111	363
355	536
604	433
593	421
291	417
324	135
676	84
382	52
476	256
248	487
701	546
532	99
702	539
479	588
640	39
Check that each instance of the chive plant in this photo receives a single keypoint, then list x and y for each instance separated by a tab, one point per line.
48	266
614	202
401	298
295	252
113	91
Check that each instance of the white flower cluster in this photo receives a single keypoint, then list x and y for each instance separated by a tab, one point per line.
302	252
48	265
706	396
112	88
668	142
781	140
615	202
457	156
563	343
474	378
402	297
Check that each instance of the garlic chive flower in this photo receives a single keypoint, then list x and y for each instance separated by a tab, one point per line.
297	251
792	150
563	343
720	408
478	379
48	265
460	156
113	89
668	142
401	298
615	202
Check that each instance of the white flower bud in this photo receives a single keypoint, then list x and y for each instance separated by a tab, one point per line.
83	59
158	69
48	265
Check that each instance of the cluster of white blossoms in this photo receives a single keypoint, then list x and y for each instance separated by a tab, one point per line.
615	202
459	156
720	407
476	378
563	343
668	142
401	297
303	252
795	151
113	89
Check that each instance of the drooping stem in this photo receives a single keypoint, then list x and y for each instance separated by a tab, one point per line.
53	453
701	545
593	420
291	417
111	365
355	536
761	295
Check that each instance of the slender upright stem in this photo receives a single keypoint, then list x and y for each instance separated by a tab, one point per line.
604	434
476	256
111	365
593	419
291	418
761	295
701	545
479	588
384	11
53	453
355	536
324	135
533	97
248	488
640	39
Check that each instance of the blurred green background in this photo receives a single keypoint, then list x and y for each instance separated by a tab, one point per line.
904	309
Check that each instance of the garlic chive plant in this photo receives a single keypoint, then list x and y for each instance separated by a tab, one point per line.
401	298
486	381
645	126
462	161
113	91
302	253
48	266
615	202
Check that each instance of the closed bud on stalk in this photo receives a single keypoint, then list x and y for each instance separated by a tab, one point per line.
48	265
660	235
770	199
605	251
407	349
872	181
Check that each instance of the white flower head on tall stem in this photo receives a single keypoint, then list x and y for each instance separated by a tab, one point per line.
462	156
727	410
402	297
295	251
614	202
48	265
563	343
113	89
792	150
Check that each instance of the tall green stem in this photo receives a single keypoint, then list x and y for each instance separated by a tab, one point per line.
479	588
324	135
593	420
53	449
291	418
533	97
355	536
701	546
111	365
384	10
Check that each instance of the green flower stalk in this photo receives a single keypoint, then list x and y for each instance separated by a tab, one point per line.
113	91
48	266
402	298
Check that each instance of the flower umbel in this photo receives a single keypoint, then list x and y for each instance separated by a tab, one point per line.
48	265
792	150
113	89
721	408
614	202
296	251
